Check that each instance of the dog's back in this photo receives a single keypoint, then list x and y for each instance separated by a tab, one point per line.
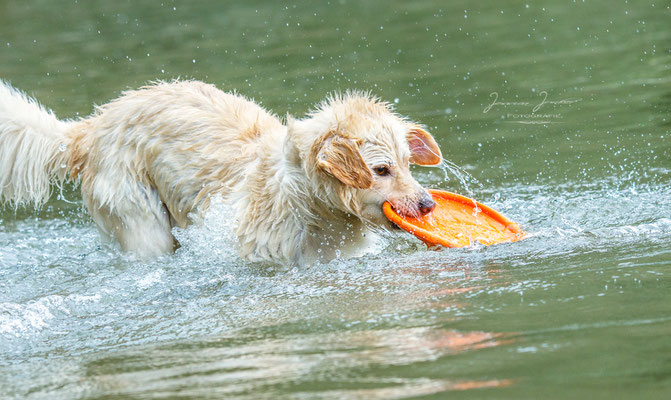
145	160
186	139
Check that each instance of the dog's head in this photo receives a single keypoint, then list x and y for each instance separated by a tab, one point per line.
359	152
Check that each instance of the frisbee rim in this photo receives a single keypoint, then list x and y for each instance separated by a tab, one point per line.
433	239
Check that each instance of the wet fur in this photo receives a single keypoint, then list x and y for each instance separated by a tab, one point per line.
151	160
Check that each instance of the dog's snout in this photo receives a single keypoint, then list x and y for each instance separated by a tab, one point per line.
426	205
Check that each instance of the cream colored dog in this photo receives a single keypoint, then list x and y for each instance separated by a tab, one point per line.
151	159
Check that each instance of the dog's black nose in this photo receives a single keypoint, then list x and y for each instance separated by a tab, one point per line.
426	205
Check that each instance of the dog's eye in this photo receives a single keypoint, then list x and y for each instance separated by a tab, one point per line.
381	170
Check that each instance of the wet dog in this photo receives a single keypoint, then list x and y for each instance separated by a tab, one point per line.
303	191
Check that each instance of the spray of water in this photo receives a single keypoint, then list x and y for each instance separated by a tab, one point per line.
465	180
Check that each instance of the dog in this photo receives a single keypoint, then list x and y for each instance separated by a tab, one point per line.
302	191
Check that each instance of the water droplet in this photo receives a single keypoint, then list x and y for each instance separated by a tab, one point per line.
62	147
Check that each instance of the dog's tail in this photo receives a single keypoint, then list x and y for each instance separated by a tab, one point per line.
33	149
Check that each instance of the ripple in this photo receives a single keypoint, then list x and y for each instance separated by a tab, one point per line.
25	319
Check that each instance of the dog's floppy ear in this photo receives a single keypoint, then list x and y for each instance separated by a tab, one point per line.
423	148
340	157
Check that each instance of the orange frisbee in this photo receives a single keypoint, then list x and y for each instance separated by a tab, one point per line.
457	221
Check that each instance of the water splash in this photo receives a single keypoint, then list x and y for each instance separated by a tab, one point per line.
213	237
466	180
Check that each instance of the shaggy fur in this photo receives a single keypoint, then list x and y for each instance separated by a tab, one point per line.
151	159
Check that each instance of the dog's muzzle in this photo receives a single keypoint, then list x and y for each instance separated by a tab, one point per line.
426	204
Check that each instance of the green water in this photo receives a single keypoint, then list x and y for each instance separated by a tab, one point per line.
579	310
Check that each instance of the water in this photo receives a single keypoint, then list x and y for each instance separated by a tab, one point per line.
579	309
